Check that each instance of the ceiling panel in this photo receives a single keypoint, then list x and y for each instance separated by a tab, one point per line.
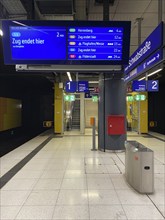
153	7
126	17
132	6
95	17
13	6
55	6
150	20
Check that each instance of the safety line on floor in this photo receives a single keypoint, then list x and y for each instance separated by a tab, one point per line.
7	176
160	139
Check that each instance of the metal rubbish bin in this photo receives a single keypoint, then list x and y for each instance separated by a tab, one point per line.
139	167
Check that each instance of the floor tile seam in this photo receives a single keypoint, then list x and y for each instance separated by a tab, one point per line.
156	204
21	206
160	139
21	164
87	192
59	191
118	198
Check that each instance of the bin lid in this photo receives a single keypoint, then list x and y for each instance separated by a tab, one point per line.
136	146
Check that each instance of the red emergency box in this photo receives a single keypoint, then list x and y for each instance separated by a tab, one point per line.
116	124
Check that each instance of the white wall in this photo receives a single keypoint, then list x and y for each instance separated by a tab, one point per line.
91	110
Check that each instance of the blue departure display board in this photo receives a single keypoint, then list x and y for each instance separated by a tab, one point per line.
66	42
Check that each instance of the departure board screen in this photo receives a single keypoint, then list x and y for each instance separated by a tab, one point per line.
95	43
38	43
66	42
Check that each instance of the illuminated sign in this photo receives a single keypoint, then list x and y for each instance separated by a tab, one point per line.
95	43
71	86
139	86
38	43
153	85
83	86
152	43
74	86
69	98
145	65
66	42
95	98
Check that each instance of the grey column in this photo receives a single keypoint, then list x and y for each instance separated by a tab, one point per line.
105	10
112	101
82	114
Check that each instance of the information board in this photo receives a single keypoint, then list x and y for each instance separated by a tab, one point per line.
66	42
83	86
139	86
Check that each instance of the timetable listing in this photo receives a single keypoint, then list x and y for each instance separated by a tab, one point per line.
95	43
94	50
93	37
95	56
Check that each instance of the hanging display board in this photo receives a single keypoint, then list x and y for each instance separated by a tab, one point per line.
66	42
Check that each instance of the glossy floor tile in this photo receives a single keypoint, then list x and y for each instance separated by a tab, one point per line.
66	180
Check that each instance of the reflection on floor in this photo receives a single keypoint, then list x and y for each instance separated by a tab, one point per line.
66	180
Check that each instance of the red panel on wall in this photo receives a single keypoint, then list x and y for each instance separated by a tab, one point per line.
116	124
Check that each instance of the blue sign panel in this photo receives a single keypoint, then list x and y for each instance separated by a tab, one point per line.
153	85
152	43
139	86
147	64
71	86
83	86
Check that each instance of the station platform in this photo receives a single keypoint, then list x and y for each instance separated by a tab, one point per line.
59	177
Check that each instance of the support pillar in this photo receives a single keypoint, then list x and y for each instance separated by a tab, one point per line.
82	113
112	101
58	109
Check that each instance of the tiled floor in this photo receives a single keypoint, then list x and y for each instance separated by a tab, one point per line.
66	180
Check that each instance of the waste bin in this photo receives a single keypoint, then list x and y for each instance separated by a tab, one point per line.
139	167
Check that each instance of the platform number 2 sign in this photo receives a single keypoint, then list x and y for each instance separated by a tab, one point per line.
153	85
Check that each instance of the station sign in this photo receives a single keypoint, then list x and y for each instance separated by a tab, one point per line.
139	86
74	86
149	85
147	64
71	86
153	85
151	44
83	86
